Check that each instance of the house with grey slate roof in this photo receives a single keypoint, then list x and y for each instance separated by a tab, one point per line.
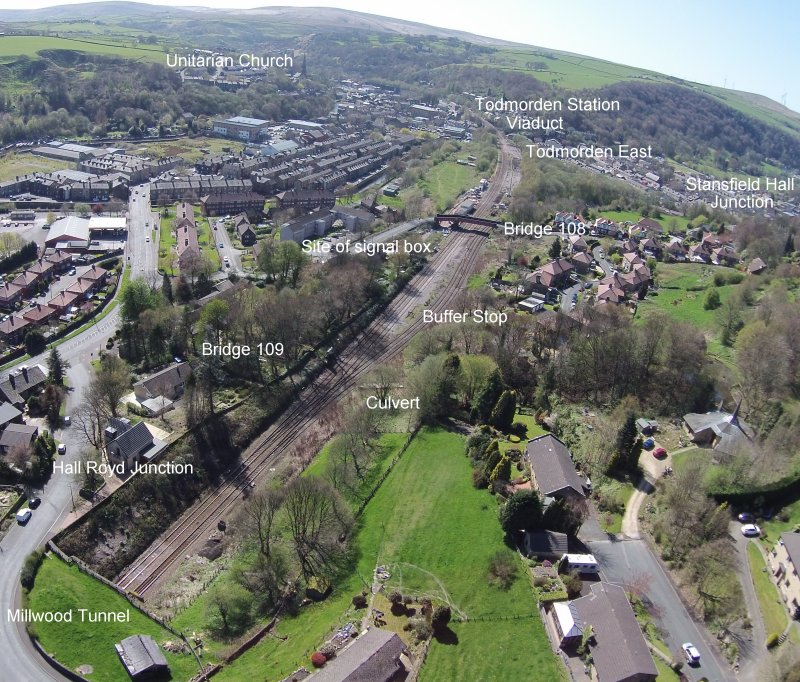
141	657
552	472
372	657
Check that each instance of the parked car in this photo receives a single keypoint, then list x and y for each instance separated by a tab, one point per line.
648	444
659	453
34	502
67	420
23	516
691	653
221	245
751	530
746	517
62	448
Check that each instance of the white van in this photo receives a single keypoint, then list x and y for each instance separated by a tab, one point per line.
582	563
24	515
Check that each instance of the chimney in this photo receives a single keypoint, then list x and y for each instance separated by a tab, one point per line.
25	372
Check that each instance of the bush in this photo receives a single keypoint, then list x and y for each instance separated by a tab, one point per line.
318	659
396	597
540	581
712	301
519	429
421	629
360	601
772	640
441	617
30	568
502	570
479	478
573	584
328	651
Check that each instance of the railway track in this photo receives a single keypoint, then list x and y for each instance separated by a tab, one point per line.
437	285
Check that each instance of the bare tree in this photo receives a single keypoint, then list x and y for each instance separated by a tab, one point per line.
318	522
260	511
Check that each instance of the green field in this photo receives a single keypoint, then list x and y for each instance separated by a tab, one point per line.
445	181
30	46
532	430
206	240
436	533
60	587
12	165
670	223
190	149
769	601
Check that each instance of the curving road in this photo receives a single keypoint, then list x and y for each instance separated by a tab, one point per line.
16	651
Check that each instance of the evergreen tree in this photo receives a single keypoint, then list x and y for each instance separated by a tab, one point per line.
555	249
502	416
628	445
166	288
487	397
56	367
522	511
789	248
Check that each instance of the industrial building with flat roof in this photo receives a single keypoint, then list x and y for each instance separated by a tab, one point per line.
241	127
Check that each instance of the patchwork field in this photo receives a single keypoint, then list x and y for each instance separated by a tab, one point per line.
31	46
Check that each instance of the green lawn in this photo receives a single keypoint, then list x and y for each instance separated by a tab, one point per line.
166	244
60	587
436	533
532	431
206	241
611	522
665	673
774	527
769	601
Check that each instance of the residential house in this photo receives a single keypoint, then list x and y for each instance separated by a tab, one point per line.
39	314
64	301
545	544
142	658
250	203
131	444
619	651
374	656
17	435
247	235
650	247
21	383
554	274
309	199
10	294
637	280
186	243
698	253
61	260
577	244
12	331
629	246
723	431
647	227
582	260
756	266
169	382
676	249
784	561
630	260
611	289
724	255
9	415
552	472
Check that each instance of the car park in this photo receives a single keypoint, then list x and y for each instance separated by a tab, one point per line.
691	653
751	530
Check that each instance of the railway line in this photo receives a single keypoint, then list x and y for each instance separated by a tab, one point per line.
437	286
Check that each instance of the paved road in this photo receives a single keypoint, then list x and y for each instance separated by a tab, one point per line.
627	561
752	650
221	236
16	652
608	268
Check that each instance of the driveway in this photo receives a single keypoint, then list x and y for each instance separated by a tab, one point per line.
607	267
752	649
